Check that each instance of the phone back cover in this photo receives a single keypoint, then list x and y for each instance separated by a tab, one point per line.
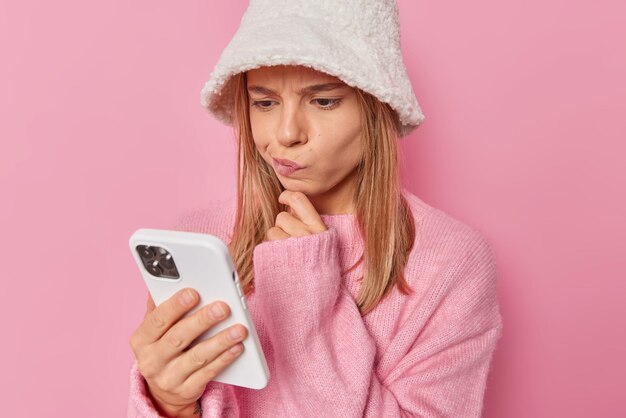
204	263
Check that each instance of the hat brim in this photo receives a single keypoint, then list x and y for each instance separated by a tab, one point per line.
301	41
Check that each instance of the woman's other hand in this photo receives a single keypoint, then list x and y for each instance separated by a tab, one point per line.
176	376
302	218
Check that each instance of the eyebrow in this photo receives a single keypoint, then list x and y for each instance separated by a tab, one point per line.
306	90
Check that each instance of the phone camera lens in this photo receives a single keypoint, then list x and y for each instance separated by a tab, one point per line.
146	251
154	269
167	262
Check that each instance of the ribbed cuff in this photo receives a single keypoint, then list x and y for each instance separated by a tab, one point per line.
298	276
139	404
296	252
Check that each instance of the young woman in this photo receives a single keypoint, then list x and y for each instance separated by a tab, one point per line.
367	301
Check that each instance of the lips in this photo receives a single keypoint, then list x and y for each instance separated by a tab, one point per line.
285	167
286	163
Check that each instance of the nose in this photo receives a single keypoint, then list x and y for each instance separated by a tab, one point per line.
292	126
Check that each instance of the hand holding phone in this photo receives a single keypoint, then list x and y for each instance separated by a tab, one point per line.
182	344
176	376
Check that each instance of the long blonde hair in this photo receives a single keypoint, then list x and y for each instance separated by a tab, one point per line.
382	212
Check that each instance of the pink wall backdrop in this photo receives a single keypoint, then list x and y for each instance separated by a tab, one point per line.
102	133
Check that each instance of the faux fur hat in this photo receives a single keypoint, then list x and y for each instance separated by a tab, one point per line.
357	41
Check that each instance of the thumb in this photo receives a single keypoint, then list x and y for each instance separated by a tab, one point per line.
150	306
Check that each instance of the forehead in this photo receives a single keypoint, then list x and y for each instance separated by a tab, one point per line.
288	74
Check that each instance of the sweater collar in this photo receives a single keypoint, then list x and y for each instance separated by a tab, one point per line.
347	227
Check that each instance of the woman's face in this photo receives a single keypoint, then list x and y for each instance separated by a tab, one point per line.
319	129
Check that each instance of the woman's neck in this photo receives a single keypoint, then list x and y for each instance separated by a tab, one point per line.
339	199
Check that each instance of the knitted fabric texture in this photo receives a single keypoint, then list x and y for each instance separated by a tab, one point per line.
423	355
357	41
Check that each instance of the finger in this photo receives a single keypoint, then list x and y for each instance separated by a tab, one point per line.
205	352
182	333
275	233
159	320
197	381
303	209
150	306
291	225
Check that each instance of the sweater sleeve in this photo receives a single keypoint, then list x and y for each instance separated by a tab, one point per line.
444	371
326	357
139	403
324	354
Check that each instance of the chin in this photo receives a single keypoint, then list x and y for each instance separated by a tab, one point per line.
297	186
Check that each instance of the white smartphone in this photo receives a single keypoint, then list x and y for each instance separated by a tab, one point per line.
172	260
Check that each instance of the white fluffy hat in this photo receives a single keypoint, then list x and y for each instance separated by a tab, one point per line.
357	41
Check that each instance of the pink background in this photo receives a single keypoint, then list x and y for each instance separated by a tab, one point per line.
102	133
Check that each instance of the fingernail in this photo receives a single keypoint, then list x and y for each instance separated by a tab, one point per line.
236	348
234	333
217	311
187	297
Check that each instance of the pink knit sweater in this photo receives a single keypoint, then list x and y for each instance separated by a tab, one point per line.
423	355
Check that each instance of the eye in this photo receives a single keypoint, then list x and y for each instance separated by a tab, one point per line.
334	103
259	104
325	104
